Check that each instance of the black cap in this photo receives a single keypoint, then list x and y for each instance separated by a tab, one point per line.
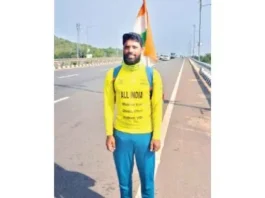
132	36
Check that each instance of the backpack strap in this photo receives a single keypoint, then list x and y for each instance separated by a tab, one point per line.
116	71
149	73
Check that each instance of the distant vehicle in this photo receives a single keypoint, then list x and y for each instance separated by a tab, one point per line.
173	55
164	57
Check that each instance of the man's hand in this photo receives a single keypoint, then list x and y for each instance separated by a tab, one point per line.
110	143
155	145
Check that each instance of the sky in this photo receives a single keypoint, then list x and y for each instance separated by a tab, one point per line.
171	22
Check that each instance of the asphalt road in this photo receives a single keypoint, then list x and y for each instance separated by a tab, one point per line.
83	167
68	81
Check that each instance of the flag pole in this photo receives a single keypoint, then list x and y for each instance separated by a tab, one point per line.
147	61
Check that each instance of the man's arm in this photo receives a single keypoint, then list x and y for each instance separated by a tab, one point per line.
157	105
109	102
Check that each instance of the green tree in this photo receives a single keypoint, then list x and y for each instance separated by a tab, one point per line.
206	58
67	49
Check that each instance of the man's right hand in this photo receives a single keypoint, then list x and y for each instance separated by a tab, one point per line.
110	143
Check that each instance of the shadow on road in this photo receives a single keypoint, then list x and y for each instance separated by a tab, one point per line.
69	184
184	105
79	87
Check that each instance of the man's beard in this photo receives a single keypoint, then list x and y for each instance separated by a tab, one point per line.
128	61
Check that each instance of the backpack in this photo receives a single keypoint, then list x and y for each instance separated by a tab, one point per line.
149	73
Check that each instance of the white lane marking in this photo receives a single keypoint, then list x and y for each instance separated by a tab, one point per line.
68	76
165	124
61	99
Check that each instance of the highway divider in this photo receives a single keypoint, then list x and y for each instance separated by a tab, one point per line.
202	64
85	62
203	69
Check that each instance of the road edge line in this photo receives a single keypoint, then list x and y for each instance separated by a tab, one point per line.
165	124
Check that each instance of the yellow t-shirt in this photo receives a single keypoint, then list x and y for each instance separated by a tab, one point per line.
136	113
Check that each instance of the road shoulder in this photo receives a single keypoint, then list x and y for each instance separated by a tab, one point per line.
185	167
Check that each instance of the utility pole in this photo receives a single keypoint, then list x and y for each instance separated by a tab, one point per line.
194	40
199	43
200	13
77	44
189	49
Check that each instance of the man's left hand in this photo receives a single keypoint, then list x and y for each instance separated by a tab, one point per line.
155	145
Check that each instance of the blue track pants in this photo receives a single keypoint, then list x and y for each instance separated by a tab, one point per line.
128	146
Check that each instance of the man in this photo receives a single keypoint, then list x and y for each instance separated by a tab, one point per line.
135	132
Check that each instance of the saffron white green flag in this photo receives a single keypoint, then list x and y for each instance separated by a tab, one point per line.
143	27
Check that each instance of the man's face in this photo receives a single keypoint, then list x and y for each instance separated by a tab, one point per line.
132	52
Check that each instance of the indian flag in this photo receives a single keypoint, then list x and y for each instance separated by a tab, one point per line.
143	27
